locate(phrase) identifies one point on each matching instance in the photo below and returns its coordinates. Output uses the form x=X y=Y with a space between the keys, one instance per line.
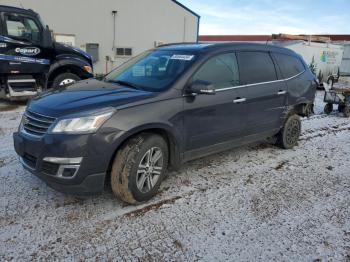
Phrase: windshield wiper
x=124 y=83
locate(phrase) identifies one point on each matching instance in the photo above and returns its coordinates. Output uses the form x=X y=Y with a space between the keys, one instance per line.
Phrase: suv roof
x=215 y=47
x=6 y=8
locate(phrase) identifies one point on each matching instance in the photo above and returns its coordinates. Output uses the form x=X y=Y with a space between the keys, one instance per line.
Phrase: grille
x=36 y=124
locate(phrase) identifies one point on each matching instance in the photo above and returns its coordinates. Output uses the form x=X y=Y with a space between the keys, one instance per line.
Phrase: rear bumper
x=94 y=150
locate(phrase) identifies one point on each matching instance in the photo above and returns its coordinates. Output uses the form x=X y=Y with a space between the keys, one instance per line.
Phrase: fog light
x=67 y=171
x=68 y=167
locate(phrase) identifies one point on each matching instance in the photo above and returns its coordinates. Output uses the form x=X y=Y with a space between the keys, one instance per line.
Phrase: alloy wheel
x=293 y=132
x=149 y=169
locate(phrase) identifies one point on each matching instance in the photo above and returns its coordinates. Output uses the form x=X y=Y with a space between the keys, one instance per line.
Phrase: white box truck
x=324 y=59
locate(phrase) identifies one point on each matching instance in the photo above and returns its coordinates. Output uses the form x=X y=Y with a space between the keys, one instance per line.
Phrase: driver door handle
x=239 y=100
x=281 y=92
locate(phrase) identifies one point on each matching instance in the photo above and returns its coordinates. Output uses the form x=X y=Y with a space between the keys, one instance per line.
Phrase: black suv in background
x=162 y=108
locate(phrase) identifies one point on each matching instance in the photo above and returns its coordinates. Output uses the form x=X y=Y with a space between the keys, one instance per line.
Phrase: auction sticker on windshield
x=182 y=57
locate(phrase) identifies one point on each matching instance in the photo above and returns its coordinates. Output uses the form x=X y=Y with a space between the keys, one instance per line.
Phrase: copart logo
x=29 y=51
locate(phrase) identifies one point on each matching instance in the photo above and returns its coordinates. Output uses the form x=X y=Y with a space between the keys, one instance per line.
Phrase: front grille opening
x=36 y=124
x=49 y=168
x=30 y=160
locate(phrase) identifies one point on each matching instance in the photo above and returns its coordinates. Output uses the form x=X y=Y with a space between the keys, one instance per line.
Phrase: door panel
x=265 y=106
x=266 y=96
x=214 y=119
x=20 y=50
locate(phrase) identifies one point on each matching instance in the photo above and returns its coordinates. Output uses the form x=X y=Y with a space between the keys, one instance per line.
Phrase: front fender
x=174 y=139
x=75 y=62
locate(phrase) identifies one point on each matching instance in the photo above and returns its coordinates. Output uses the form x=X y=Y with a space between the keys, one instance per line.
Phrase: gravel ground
x=257 y=202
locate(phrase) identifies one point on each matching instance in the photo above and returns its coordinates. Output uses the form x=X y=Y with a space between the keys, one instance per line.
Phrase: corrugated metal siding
x=345 y=64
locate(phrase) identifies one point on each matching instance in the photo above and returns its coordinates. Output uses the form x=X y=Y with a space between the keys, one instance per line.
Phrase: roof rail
x=179 y=43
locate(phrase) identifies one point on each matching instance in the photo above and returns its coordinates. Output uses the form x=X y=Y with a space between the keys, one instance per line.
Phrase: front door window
x=22 y=28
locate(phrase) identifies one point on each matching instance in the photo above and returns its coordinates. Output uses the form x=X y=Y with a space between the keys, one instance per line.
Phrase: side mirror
x=47 y=37
x=201 y=87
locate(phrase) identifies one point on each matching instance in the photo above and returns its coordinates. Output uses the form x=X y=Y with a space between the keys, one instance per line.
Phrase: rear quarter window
x=289 y=65
x=256 y=67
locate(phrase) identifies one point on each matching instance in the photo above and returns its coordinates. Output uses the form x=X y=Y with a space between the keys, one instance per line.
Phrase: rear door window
x=289 y=65
x=256 y=67
x=221 y=71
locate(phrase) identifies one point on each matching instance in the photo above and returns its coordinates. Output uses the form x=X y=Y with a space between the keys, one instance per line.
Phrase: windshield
x=152 y=70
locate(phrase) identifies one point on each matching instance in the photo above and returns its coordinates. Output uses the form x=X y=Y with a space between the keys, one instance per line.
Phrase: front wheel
x=288 y=136
x=65 y=79
x=139 y=168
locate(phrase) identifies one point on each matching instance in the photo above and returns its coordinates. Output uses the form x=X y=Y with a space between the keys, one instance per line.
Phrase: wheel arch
x=162 y=130
x=61 y=66
x=299 y=107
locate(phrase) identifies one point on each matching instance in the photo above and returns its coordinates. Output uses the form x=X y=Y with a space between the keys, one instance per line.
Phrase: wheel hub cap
x=293 y=132
x=67 y=82
x=149 y=169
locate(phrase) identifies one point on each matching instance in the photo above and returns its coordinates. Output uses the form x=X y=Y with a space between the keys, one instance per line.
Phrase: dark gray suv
x=162 y=108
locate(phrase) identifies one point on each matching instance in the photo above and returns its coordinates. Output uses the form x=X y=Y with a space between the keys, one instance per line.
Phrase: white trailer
x=324 y=59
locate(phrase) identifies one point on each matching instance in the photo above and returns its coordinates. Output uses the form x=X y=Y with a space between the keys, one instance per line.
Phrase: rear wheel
x=328 y=108
x=289 y=134
x=65 y=79
x=139 y=168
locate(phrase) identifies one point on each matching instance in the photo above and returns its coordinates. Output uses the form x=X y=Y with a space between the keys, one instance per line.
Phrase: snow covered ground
x=256 y=202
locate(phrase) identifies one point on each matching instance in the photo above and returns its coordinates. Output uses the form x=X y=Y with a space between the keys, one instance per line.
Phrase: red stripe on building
x=248 y=38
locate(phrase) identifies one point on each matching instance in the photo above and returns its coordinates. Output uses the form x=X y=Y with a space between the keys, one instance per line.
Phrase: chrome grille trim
x=36 y=124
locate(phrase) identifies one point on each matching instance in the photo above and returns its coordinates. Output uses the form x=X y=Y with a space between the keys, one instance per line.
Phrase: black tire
x=346 y=111
x=126 y=168
x=61 y=78
x=328 y=108
x=288 y=136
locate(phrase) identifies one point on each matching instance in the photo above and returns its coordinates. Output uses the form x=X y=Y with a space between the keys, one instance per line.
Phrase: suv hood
x=85 y=96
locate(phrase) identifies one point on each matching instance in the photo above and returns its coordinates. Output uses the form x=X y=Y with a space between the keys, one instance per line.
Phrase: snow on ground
x=256 y=202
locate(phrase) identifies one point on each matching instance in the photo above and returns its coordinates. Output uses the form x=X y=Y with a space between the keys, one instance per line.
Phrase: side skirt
x=209 y=150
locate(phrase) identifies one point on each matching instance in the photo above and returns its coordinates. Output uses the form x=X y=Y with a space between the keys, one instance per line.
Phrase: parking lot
x=254 y=202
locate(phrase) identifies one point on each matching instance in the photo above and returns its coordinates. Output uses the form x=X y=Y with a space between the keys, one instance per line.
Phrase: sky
x=220 y=17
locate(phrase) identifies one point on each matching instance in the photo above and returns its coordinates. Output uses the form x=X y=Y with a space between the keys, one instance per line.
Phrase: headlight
x=86 y=124
x=88 y=69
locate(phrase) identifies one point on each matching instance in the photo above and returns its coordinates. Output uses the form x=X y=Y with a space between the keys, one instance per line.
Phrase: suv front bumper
x=49 y=157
